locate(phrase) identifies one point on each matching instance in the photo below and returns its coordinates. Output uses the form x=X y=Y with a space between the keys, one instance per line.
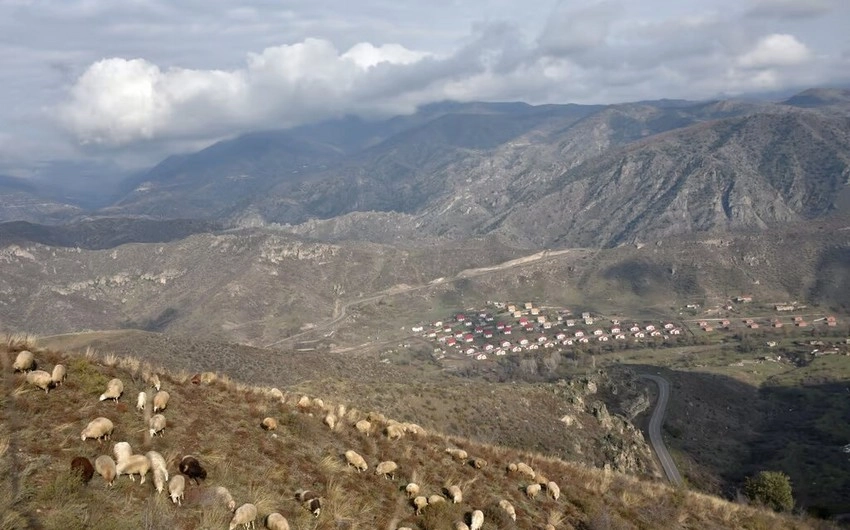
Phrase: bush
x=772 y=489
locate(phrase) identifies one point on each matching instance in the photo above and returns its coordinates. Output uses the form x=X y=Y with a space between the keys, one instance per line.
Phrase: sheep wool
x=420 y=503
x=532 y=490
x=114 y=389
x=141 y=401
x=157 y=425
x=122 y=450
x=456 y=494
x=24 y=362
x=244 y=516
x=134 y=465
x=105 y=467
x=387 y=469
x=158 y=469
x=553 y=490
x=58 y=375
x=98 y=428
x=176 y=487
x=160 y=400
x=276 y=521
x=40 y=379
x=412 y=490
x=506 y=505
x=356 y=460
x=477 y=520
x=363 y=427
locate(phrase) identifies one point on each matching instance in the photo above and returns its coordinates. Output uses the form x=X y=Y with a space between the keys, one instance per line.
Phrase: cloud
x=775 y=50
x=570 y=30
x=790 y=9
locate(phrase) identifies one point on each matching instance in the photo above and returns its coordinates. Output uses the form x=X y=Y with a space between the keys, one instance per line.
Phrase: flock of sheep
x=125 y=462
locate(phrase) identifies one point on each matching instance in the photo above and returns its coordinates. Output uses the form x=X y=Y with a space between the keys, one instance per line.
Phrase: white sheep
x=412 y=490
x=158 y=469
x=460 y=525
x=455 y=493
x=114 y=389
x=176 y=487
x=363 y=427
x=245 y=516
x=523 y=468
x=157 y=424
x=58 y=375
x=478 y=463
x=122 y=451
x=356 y=460
x=304 y=402
x=269 y=424
x=134 y=465
x=160 y=400
x=224 y=496
x=387 y=469
x=98 y=428
x=420 y=503
x=413 y=428
x=508 y=508
x=275 y=393
x=532 y=490
x=275 y=521
x=105 y=467
x=141 y=401
x=319 y=402
x=476 y=521
x=458 y=454
x=394 y=432
x=553 y=490
x=434 y=499
x=154 y=382
x=40 y=379
x=24 y=362
x=330 y=420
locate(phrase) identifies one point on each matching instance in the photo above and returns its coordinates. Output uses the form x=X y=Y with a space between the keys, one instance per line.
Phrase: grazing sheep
x=340 y=410
x=121 y=451
x=363 y=427
x=413 y=428
x=82 y=466
x=376 y=417
x=387 y=469
x=269 y=424
x=105 y=467
x=24 y=362
x=540 y=479
x=330 y=420
x=160 y=400
x=356 y=460
x=434 y=499
x=158 y=469
x=114 y=389
x=455 y=493
x=532 y=490
x=154 y=382
x=304 y=402
x=41 y=379
x=141 y=401
x=310 y=501
x=245 y=516
x=275 y=393
x=420 y=503
x=458 y=454
x=157 y=424
x=523 y=468
x=319 y=402
x=553 y=490
x=460 y=525
x=508 y=508
x=193 y=469
x=134 y=465
x=176 y=487
x=224 y=496
x=476 y=521
x=394 y=432
x=412 y=490
x=58 y=375
x=275 y=521
x=98 y=428
x=478 y=463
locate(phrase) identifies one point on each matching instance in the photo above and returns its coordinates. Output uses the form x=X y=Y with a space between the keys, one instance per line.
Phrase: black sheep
x=82 y=466
x=193 y=469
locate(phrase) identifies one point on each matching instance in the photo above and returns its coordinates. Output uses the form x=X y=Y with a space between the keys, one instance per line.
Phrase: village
x=502 y=329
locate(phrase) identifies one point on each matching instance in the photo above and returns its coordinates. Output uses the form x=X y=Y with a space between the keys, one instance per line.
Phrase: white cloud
x=790 y=8
x=775 y=50
x=367 y=55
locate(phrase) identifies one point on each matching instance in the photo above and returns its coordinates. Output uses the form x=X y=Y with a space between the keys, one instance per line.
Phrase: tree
x=771 y=488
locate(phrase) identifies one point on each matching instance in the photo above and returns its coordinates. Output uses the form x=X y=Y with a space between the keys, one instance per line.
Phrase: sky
x=111 y=85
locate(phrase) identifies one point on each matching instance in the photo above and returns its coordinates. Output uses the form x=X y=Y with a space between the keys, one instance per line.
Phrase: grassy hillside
x=219 y=422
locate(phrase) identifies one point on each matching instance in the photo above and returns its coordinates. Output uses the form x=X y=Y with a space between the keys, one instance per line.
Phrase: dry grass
x=219 y=423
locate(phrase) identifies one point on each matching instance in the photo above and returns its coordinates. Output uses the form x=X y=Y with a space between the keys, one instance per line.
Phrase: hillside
x=218 y=421
x=21 y=200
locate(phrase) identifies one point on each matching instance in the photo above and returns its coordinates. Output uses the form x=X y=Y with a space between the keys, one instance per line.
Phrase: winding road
x=655 y=423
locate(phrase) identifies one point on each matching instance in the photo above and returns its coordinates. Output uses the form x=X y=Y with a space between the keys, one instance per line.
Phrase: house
x=468 y=337
x=585 y=315
x=459 y=334
x=535 y=310
x=488 y=334
x=416 y=329
x=640 y=335
x=517 y=314
x=529 y=305
x=615 y=322
x=528 y=328
x=598 y=332
x=523 y=342
x=783 y=307
x=432 y=335
x=579 y=334
x=703 y=324
x=541 y=339
x=776 y=324
x=511 y=308
x=500 y=352
x=754 y=325
x=523 y=321
x=603 y=338
x=541 y=319
x=500 y=326
x=479 y=330
x=724 y=323
x=470 y=351
x=831 y=322
x=584 y=340
x=561 y=336
x=507 y=330
x=460 y=318
x=567 y=342
x=451 y=341
x=708 y=328
x=533 y=347
x=615 y=330
x=571 y=323
x=489 y=347
x=744 y=299
x=588 y=321
x=675 y=331
x=505 y=344
x=516 y=349
x=547 y=325
x=481 y=357
x=549 y=344
x=634 y=329
x=669 y=325
x=438 y=324
x=655 y=333
x=801 y=323
x=798 y=319
x=620 y=336
x=649 y=327
x=447 y=329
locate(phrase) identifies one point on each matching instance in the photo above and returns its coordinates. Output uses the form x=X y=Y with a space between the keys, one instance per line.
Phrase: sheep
x=460 y=525
x=455 y=493
x=310 y=501
x=269 y=424
x=154 y=382
x=319 y=403
x=356 y=460
x=340 y=410
x=394 y=432
x=532 y=490
x=434 y=499
x=24 y=362
x=506 y=505
x=82 y=466
x=224 y=496
x=540 y=479
x=523 y=468
x=275 y=393
x=412 y=490
x=330 y=420
x=458 y=454
x=141 y=401
x=387 y=469
x=304 y=402
x=105 y=467
x=476 y=521
x=41 y=379
x=98 y=428
x=363 y=427
x=121 y=451
x=413 y=428
x=114 y=389
x=478 y=463
x=159 y=470
x=245 y=516
x=157 y=424
x=134 y=465
x=275 y=521
x=553 y=490
x=160 y=400
x=176 y=487
x=58 y=375
x=420 y=503
x=376 y=417
x=193 y=469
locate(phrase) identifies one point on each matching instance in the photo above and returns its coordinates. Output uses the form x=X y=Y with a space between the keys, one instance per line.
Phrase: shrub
x=770 y=488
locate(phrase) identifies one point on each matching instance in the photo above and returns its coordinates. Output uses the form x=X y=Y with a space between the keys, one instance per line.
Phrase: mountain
x=21 y=200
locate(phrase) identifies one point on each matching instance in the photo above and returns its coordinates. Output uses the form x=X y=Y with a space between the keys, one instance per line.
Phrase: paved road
x=655 y=423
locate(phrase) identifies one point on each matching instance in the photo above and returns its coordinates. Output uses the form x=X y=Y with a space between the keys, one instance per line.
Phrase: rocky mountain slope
x=21 y=200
